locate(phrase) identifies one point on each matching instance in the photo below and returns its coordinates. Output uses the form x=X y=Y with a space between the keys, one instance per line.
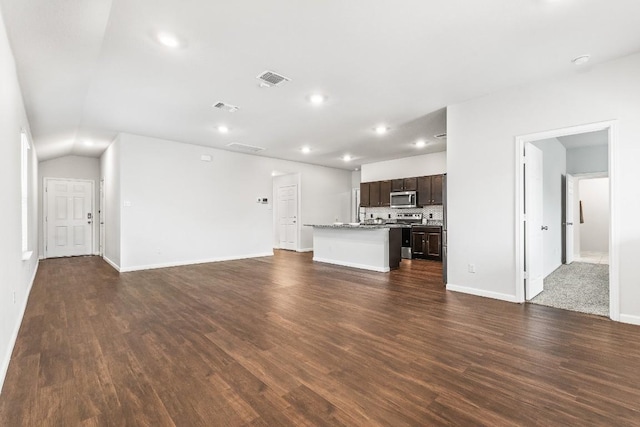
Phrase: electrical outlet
x=472 y=268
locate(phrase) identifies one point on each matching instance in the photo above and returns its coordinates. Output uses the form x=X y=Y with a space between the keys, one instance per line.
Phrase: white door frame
x=614 y=238
x=45 y=210
x=283 y=180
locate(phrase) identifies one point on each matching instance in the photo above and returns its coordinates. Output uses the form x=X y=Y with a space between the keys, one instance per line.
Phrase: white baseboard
x=628 y=318
x=112 y=264
x=353 y=265
x=482 y=293
x=305 y=250
x=14 y=336
x=200 y=261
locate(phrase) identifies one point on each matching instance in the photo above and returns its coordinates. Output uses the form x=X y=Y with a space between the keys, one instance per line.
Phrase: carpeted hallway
x=578 y=286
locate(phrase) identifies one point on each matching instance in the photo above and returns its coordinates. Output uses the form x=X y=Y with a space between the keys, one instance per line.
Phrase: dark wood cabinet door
x=364 y=195
x=436 y=190
x=374 y=193
x=385 y=191
x=397 y=185
x=433 y=244
x=418 y=241
x=410 y=184
x=424 y=190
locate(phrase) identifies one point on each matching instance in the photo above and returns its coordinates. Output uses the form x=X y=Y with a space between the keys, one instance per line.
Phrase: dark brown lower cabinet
x=426 y=242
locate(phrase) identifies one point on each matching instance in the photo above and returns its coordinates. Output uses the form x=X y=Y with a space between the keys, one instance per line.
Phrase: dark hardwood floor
x=281 y=341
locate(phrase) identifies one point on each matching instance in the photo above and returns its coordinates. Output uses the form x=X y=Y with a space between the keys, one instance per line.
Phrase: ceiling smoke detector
x=244 y=147
x=226 y=107
x=441 y=136
x=271 y=78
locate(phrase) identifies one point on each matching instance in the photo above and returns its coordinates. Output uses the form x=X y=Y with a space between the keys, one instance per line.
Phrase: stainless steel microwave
x=404 y=199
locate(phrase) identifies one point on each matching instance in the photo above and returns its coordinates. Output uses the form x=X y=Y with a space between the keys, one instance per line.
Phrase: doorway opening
x=566 y=215
x=68 y=217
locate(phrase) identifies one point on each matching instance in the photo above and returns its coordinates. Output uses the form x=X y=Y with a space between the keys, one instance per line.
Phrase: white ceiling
x=91 y=69
x=588 y=139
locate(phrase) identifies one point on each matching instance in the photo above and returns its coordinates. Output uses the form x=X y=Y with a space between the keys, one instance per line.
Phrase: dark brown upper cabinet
x=385 y=193
x=364 y=194
x=404 y=184
x=430 y=190
x=374 y=194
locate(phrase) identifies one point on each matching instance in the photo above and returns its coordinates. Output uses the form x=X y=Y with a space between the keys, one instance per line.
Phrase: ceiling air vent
x=226 y=107
x=441 y=136
x=269 y=78
x=244 y=147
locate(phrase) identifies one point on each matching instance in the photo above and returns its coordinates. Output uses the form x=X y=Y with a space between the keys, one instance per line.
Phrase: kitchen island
x=369 y=247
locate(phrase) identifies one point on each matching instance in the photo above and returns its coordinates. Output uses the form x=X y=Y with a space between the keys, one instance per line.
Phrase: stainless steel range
x=408 y=219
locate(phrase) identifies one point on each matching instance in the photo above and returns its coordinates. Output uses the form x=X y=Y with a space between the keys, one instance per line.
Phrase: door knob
x=544 y=227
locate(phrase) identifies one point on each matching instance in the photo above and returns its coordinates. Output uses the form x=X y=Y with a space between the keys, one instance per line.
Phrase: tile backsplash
x=384 y=213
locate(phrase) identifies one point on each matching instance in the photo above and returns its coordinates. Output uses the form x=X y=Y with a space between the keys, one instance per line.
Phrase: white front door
x=68 y=218
x=568 y=227
x=288 y=217
x=534 y=230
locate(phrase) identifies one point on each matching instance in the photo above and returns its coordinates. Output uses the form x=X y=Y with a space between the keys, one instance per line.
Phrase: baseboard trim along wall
x=481 y=293
x=111 y=263
x=353 y=265
x=201 y=261
x=14 y=336
x=305 y=250
x=627 y=318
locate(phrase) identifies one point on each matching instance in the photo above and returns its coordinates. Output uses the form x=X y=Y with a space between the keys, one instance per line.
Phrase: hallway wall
x=594 y=232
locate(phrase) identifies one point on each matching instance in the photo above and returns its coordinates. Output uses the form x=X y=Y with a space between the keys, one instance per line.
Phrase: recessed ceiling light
x=381 y=130
x=223 y=129
x=317 y=99
x=581 y=60
x=356 y=169
x=306 y=150
x=421 y=143
x=168 y=40
x=346 y=158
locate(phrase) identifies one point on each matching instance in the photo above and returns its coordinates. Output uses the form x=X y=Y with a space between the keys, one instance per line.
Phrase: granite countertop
x=358 y=226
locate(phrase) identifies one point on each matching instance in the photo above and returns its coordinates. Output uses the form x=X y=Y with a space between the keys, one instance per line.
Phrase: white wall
x=70 y=167
x=594 y=232
x=426 y=164
x=554 y=167
x=110 y=173
x=481 y=169
x=184 y=210
x=16 y=275
x=588 y=159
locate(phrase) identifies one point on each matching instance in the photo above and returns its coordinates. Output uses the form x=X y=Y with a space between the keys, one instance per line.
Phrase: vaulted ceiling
x=92 y=69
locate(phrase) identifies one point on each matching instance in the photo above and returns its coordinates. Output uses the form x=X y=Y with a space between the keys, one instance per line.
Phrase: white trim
x=614 y=197
x=305 y=250
x=200 y=261
x=14 y=336
x=26 y=256
x=111 y=263
x=628 y=318
x=353 y=265
x=45 y=207
x=482 y=293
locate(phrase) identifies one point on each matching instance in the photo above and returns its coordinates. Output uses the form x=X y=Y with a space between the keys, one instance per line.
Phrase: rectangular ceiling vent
x=244 y=147
x=441 y=136
x=225 y=107
x=270 y=78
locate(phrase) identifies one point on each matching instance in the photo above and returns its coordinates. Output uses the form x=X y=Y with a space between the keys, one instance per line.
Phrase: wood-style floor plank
x=283 y=341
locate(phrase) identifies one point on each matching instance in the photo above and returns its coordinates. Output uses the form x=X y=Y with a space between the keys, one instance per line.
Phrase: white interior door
x=288 y=217
x=569 y=229
x=101 y=217
x=534 y=229
x=68 y=218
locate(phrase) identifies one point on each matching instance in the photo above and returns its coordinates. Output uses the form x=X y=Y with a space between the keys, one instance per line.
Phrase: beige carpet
x=579 y=287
